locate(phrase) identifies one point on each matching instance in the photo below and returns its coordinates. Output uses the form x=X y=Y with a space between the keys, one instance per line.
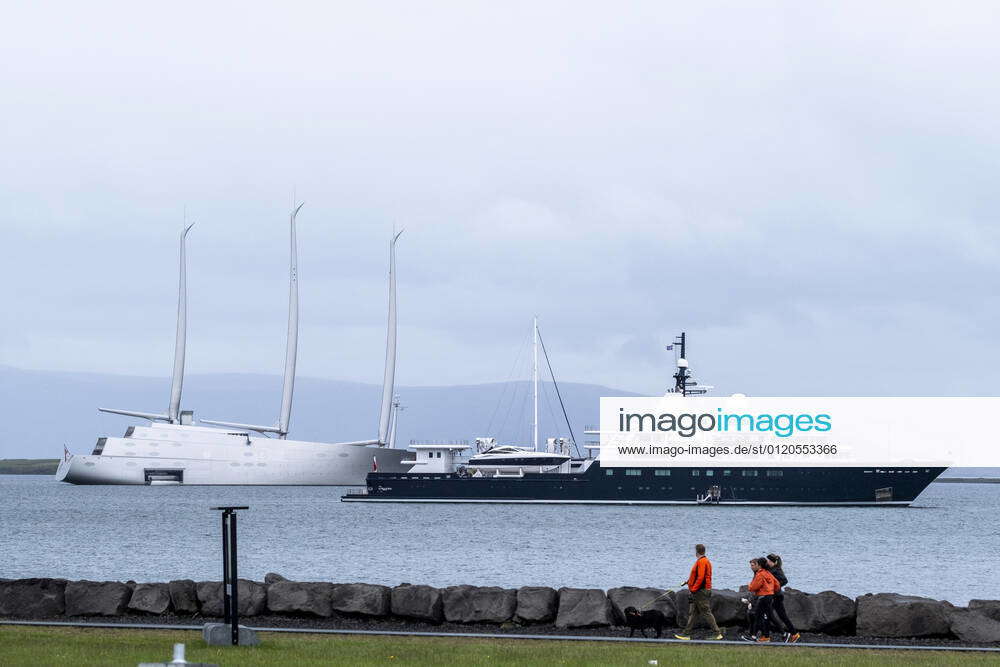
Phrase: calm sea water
x=945 y=546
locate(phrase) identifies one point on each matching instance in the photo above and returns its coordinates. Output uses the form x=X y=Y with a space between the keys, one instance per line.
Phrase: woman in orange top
x=764 y=586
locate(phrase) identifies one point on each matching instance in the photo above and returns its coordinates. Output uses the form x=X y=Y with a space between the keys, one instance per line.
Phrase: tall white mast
x=291 y=345
x=389 y=379
x=292 y=340
x=180 y=339
x=534 y=383
x=173 y=415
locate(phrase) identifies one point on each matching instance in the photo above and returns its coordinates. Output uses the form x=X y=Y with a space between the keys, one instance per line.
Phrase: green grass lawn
x=100 y=646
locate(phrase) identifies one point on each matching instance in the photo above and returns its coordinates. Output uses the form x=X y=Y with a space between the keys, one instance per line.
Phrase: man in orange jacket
x=699 y=602
x=764 y=586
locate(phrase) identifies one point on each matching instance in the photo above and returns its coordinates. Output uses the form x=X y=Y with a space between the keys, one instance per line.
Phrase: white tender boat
x=507 y=458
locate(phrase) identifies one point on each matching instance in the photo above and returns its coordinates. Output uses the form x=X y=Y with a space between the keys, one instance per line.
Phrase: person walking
x=763 y=585
x=699 y=585
x=776 y=568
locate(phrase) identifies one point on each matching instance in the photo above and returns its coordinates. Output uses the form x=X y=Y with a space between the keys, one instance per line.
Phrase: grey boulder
x=251 y=598
x=988 y=608
x=725 y=604
x=643 y=599
x=97 y=598
x=827 y=612
x=583 y=608
x=478 y=604
x=970 y=625
x=360 y=599
x=273 y=578
x=150 y=599
x=300 y=597
x=536 y=604
x=33 y=598
x=892 y=615
x=183 y=596
x=417 y=601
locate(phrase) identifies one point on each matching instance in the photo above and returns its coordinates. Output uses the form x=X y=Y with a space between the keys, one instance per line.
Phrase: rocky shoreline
x=883 y=618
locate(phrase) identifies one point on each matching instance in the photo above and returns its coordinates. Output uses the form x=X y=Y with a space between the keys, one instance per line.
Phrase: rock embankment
x=536 y=608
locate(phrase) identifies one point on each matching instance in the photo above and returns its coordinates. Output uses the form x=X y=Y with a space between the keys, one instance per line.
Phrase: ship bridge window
x=633 y=472
x=662 y=473
x=609 y=472
x=727 y=473
x=709 y=473
x=775 y=473
x=695 y=473
x=749 y=473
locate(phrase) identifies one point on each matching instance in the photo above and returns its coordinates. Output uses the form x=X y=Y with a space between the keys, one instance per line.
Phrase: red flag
x=374 y=464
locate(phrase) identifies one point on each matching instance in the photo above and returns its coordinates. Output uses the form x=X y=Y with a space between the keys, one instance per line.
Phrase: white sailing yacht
x=172 y=450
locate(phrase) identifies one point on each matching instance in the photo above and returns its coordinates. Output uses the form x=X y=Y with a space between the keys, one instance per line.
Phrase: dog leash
x=657 y=599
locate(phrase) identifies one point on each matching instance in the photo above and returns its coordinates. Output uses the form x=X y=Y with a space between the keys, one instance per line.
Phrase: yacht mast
x=534 y=383
x=173 y=415
x=388 y=380
x=291 y=345
x=180 y=339
x=292 y=340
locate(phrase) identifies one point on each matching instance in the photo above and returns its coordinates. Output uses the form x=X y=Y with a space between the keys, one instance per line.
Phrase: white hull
x=205 y=456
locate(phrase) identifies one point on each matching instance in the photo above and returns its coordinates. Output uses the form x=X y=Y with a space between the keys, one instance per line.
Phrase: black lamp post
x=230 y=588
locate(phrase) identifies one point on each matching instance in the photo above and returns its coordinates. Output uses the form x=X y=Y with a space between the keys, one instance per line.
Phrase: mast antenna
x=534 y=383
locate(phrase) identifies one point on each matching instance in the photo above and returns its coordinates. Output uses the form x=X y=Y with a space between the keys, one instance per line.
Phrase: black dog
x=644 y=619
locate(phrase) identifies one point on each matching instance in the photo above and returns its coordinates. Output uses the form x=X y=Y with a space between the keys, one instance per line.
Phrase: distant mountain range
x=40 y=411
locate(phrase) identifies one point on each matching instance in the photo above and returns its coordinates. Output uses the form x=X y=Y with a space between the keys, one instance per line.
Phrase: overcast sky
x=808 y=189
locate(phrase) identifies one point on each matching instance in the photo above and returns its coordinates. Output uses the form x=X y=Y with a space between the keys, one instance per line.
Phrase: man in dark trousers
x=699 y=602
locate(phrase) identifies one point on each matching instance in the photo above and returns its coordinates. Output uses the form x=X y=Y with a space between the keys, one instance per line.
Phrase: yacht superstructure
x=172 y=450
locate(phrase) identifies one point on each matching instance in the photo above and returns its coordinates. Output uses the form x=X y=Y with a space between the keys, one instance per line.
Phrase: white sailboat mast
x=292 y=340
x=291 y=345
x=389 y=379
x=173 y=414
x=180 y=339
x=534 y=383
